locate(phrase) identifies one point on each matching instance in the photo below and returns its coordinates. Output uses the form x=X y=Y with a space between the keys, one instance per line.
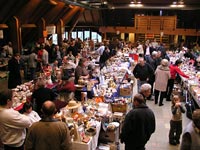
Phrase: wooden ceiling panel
x=53 y=14
x=25 y=13
x=10 y=9
x=88 y=16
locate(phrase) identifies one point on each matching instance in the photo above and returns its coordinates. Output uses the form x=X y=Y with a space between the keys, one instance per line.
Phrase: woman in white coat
x=162 y=75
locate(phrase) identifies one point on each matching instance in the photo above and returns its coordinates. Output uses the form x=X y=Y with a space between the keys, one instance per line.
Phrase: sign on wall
x=51 y=29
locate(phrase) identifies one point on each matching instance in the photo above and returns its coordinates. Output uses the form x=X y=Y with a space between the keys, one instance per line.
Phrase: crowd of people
x=68 y=64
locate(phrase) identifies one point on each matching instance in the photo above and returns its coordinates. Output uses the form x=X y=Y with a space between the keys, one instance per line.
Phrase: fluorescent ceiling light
x=135 y=5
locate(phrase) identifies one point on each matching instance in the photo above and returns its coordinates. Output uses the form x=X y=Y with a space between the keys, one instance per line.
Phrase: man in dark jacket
x=14 y=77
x=138 y=126
x=143 y=72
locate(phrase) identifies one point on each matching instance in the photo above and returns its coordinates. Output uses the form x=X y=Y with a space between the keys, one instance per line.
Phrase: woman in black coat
x=14 y=77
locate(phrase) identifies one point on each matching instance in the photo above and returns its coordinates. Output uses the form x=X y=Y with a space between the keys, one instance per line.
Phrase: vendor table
x=92 y=144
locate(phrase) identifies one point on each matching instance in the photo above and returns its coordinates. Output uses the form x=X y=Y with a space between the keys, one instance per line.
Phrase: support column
x=15 y=34
x=41 y=28
x=60 y=30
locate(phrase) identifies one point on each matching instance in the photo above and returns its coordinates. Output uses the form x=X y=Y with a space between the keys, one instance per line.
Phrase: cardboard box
x=118 y=117
x=125 y=90
x=109 y=136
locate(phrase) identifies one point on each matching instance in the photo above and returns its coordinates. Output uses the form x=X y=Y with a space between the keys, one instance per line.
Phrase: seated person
x=67 y=68
x=41 y=94
x=81 y=70
x=28 y=111
x=104 y=57
x=66 y=90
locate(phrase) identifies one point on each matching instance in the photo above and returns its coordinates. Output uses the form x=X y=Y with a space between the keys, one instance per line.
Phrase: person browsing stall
x=81 y=70
x=28 y=111
x=145 y=90
x=14 y=76
x=48 y=133
x=142 y=72
x=162 y=75
x=12 y=124
x=138 y=125
x=174 y=71
x=176 y=121
x=41 y=94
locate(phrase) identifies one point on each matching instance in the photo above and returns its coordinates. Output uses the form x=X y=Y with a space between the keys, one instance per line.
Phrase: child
x=28 y=111
x=176 y=121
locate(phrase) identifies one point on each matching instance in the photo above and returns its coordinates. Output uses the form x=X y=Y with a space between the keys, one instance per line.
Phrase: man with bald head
x=48 y=133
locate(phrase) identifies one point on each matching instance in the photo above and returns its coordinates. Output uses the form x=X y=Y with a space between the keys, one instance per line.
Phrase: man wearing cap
x=138 y=125
x=191 y=134
x=48 y=133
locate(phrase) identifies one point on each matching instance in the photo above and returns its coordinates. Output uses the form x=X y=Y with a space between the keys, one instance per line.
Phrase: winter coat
x=138 y=126
x=162 y=75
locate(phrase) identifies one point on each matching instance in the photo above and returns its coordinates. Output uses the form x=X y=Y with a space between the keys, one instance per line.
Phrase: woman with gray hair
x=162 y=75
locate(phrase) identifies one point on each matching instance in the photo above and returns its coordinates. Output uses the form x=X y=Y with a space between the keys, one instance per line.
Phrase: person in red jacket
x=174 y=71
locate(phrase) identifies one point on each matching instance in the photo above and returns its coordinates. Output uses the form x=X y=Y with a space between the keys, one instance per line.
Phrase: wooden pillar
x=41 y=28
x=15 y=34
x=104 y=35
x=60 y=30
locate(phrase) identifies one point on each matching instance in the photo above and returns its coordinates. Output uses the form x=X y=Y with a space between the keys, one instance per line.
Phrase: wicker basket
x=119 y=107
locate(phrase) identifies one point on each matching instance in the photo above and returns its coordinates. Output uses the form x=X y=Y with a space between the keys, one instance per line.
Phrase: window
x=74 y=35
x=66 y=35
x=55 y=39
x=87 y=34
x=99 y=38
x=80 y=35
x=94 y=36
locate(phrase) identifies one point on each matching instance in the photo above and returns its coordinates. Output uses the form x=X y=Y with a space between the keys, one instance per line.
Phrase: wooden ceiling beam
x=70 y=14
x=91 y=13
x=54 y=14
x=3 y=26
x=11 y=9
x=84 y=18
x=28 y=25
x=26 y=12
x=41 y=10
x=75 y=20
